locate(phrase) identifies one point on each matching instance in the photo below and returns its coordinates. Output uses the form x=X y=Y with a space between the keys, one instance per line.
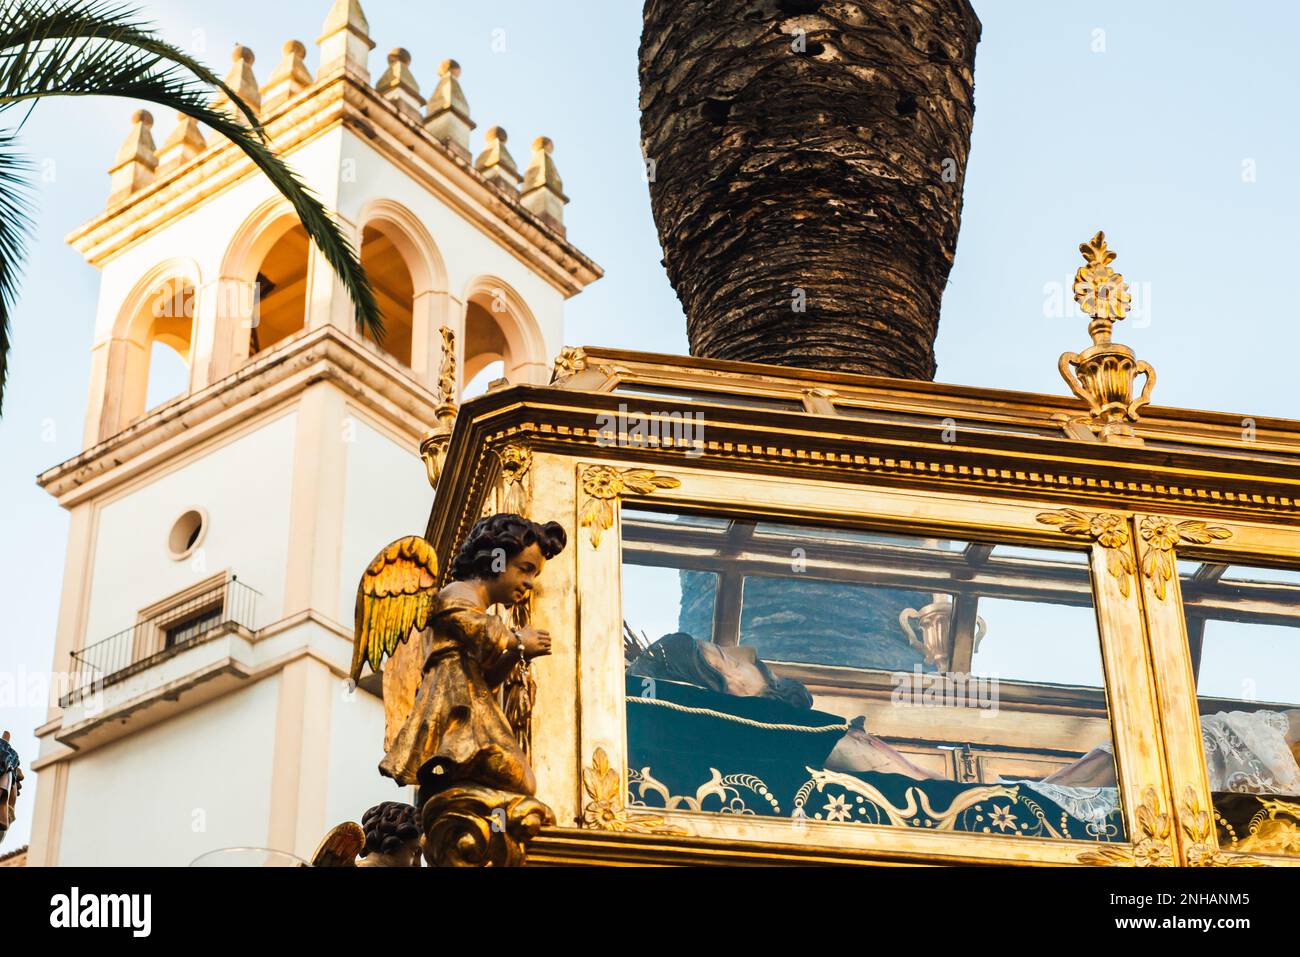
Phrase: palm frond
x=15 y=227
x=26 y=26
x=69 y=66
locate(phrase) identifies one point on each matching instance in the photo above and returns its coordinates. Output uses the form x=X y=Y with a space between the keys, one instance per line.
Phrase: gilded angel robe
x=456 y=732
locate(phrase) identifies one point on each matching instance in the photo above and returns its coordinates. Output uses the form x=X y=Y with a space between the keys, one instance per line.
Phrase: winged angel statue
x=445 y=731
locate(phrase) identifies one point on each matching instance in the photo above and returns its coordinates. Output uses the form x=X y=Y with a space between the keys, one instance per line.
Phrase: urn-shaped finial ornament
x=1104 y=374
x=937 y=641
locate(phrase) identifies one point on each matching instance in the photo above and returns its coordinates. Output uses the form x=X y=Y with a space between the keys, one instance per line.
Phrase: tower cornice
x=341 y=100
x=372 y=382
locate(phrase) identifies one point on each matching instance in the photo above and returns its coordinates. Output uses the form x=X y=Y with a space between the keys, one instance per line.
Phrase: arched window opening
x=169 y=375
x=163 y=334
x=479 y=382
x=485 y=344
x=281 y=308
x=391 y=280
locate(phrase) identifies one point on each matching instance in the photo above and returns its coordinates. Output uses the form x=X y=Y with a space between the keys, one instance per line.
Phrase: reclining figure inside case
x=1253 y=752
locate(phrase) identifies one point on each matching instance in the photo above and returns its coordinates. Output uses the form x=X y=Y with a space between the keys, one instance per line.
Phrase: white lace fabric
x=1090 y=805
x=1247 y=751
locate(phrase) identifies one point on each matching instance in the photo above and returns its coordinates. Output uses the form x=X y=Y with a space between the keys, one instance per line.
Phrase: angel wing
x=394 y=598
x=340 y=847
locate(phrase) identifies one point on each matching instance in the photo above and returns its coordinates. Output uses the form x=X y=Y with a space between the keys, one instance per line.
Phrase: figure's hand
x=536 y=642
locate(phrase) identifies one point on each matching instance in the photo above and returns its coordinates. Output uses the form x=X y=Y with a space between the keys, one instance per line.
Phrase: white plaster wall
x=244 y=485
x=467 y=251
x=198 y=782
x=356 y=745
x=386 y=496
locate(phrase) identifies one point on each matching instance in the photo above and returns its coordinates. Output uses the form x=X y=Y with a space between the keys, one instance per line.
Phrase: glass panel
x=1040 y=554
x=1243 y=631
x=717 y=398
x=1244 y=573
x=826 y=675
x=803 y=532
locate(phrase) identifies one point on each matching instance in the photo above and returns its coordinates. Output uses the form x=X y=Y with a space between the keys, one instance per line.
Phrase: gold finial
x=434 y=447
x=1099 y=290
x=447 y=371
x=1103 y=374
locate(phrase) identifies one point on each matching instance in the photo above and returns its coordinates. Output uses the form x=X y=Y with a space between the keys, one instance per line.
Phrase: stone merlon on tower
x=345 y=45
x=242 y=81
x=448 y=118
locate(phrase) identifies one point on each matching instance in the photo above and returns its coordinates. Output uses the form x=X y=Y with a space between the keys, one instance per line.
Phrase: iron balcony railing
x=181 y=626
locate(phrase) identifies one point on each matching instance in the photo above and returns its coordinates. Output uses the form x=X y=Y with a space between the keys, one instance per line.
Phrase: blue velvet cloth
x=695 y=749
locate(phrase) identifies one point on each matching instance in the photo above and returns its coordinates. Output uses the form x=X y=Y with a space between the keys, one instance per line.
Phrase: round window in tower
x=187 y=533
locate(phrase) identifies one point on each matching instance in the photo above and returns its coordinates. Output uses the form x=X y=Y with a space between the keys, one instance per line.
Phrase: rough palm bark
x=809 y=153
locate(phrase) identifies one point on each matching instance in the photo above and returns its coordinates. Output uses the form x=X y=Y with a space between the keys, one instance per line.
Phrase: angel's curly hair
x=503 y=533
x=388 y=826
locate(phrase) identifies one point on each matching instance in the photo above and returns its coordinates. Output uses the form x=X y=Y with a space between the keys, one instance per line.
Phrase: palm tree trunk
x=806 y=162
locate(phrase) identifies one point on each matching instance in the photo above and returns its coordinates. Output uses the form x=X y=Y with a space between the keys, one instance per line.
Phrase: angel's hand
x=536 y=642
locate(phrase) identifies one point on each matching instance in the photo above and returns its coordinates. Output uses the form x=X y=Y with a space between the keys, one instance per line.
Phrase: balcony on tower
x=200 y=636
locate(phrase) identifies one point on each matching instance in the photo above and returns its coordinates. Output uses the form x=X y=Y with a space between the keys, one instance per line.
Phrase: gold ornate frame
x=869 y=452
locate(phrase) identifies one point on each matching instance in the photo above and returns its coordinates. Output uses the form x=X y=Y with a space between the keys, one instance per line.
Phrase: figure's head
x=391 y=829
x=507 y=552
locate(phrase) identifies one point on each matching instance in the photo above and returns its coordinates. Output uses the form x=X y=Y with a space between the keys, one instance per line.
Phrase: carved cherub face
x=514 y=583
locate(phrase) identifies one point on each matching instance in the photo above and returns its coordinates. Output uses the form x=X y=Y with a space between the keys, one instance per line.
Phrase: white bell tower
x=217 y=536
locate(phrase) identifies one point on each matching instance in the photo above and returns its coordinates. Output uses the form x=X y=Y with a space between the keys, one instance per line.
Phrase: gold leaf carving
x=1162 y=535
x=1108 y=530
x=1099 y=290
x=1198 y=826
x=1152 y=850
x=603 y=484
x=569 y=362
x=516 y=464
x=605 y=811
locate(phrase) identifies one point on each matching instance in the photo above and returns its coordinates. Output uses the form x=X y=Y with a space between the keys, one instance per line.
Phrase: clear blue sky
x=1146 y=139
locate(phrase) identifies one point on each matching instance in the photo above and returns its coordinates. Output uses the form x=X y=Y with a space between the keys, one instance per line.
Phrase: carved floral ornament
x=602 y=484
x=1107 y=529
x=569 y=362
x=1198 y=825
x=1161 y=536
x=1099 y=290
x=605 y=811
x=1153 y=850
